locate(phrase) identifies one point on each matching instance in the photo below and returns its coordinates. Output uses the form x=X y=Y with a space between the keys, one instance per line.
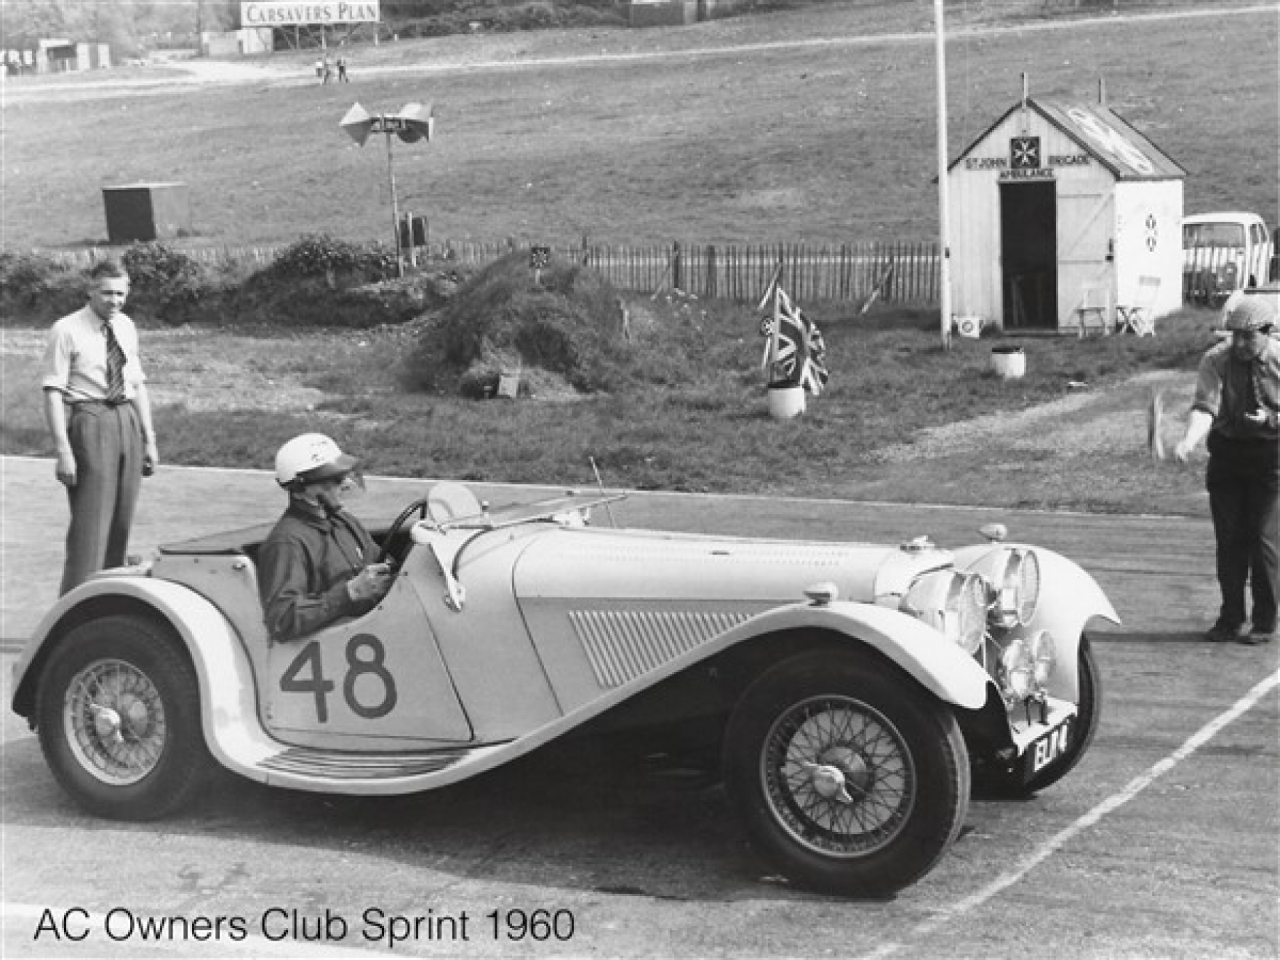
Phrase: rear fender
x=1069 y=599
x=228 y=696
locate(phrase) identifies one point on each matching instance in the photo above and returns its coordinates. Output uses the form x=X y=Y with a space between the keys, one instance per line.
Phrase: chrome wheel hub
x=114 y=721
x=839 y=771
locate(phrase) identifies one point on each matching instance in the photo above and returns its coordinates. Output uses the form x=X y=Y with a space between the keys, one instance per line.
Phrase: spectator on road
x=99 y=416
x=342 y=70
x=320 y=65
x=315 y=566
x=1236 y=404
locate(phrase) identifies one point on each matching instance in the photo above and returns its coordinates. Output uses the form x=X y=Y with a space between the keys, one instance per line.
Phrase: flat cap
x=1254 y=309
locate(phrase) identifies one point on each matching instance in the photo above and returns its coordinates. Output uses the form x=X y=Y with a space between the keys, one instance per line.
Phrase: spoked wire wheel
x=846 y=774
x=838 y=776
x=118 y=716
x=114 y=721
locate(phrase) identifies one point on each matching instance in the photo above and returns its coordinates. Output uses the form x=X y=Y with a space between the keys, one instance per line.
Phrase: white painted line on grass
x=251 y=945
x=1112 y=803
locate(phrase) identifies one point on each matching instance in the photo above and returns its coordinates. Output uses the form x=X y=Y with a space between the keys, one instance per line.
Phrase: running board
x=344 y=765
x=356 y=773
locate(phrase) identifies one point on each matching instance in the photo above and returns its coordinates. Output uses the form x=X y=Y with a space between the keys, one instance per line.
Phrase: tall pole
x=395 y=206
x=944 y=201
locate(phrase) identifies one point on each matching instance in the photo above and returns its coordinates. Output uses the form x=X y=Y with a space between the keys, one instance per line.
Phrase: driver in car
x=316 y=565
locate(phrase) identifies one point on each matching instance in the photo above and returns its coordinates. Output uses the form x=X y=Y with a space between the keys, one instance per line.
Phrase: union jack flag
x=802 y=353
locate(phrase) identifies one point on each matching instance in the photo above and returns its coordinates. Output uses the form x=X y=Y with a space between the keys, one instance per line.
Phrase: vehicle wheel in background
x=1004 y=783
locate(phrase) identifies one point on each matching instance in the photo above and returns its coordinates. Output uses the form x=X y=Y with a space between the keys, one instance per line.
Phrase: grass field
x=815 y=124
x=801 y=126
x=902 y=420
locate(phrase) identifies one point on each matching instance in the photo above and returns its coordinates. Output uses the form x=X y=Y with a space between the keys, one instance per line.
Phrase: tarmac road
x=1165 y=841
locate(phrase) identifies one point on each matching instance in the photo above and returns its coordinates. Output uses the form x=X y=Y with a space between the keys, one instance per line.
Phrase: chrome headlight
x=1026 y=665
x=1044 y=656
x=1018 y=669
x=951 y=602
x=1014 y=576
x=1020 y=588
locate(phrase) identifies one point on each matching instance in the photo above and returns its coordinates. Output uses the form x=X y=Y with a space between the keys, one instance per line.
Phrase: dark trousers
x=107 y=443
x=1243 y=479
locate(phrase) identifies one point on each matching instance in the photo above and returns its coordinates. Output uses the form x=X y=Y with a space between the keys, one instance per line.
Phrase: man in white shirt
x=99 y=415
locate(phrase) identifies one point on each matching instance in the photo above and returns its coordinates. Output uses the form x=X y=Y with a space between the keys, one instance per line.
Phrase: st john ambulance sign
x=287 y=13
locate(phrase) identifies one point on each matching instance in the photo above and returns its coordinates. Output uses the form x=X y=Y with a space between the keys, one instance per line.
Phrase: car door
x=376 y=682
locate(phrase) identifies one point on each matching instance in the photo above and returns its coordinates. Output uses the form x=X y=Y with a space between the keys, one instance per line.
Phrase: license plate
x=1047 y=749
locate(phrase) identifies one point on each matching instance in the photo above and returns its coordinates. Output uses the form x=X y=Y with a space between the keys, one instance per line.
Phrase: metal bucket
x=786 y=402
x=1009 y=363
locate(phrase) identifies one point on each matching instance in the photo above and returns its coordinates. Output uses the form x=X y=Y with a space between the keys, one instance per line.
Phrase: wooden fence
x=901 y=272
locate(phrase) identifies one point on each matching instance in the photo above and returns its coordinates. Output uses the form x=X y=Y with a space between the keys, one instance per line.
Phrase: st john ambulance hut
x=1065 y=219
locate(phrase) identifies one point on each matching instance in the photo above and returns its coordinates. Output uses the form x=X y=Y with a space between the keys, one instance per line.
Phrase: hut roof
x=1102 y=133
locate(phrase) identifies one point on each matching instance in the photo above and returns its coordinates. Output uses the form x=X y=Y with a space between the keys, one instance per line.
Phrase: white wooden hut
x=1060 y=213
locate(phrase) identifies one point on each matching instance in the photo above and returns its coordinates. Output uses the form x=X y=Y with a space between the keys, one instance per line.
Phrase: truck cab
x=1223 y=252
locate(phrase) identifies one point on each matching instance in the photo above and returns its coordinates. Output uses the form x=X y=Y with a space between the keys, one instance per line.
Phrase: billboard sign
x=289 y=13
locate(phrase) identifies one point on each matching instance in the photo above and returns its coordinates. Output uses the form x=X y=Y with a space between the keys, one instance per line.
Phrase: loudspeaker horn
x=417 y=122
x=357 y=123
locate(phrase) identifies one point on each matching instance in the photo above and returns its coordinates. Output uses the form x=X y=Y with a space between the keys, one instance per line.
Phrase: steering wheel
x=394 y=531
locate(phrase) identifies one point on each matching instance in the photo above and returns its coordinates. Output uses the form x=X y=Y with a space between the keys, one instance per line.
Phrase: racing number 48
x=366 y=657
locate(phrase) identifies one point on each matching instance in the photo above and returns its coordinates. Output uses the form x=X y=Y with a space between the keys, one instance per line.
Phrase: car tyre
x=846 y=775
x=1088 y=715
x=118 y=716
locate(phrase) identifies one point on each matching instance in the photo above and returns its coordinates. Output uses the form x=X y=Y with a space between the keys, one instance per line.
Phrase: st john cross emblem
x=1024 y=153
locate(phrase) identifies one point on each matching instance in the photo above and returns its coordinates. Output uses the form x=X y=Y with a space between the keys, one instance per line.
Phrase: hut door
x=1085 y=259
x=1029 y=254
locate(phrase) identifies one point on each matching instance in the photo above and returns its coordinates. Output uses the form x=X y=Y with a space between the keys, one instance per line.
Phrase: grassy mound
x=565 y=324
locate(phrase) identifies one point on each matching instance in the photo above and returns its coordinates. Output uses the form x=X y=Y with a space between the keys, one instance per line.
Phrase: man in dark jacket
x=316 y=566
x=1237 y=404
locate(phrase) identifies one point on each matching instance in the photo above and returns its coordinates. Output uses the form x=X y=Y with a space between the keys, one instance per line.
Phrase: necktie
x=115 y=364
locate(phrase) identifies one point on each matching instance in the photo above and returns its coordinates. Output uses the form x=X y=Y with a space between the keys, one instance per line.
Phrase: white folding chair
x=1139 y=317
x=1093 y=304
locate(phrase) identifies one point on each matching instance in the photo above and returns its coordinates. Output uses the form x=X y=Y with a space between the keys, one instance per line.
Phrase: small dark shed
x=146 y=211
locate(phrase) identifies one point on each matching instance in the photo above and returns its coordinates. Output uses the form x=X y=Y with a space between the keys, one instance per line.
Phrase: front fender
x=1069 y=599
x=938 y=665
x=228 y=696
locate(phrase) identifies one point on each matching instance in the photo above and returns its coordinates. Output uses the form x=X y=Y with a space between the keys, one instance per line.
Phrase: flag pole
x=776 y=334
x=944 y=202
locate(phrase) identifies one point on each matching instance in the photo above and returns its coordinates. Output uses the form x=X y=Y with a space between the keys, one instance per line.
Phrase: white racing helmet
x=309 y=458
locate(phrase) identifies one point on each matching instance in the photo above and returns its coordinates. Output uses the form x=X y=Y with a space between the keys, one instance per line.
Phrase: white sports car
x=852 y=690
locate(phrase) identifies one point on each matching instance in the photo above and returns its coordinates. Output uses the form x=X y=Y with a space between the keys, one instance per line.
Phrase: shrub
x=272 y=297
x=155 y=267
x=569 y=323
x=164 y=282
x=32 y=282
x=316 y=256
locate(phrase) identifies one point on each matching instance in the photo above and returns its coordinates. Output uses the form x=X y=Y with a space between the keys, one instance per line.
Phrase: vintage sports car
x=852 y=691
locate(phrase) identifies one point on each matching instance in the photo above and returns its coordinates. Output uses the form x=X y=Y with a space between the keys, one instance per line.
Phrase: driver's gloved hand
x=371 y=583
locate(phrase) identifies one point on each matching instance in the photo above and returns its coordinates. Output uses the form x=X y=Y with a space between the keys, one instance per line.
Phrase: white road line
x=1112 y=803
x=252 y=945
